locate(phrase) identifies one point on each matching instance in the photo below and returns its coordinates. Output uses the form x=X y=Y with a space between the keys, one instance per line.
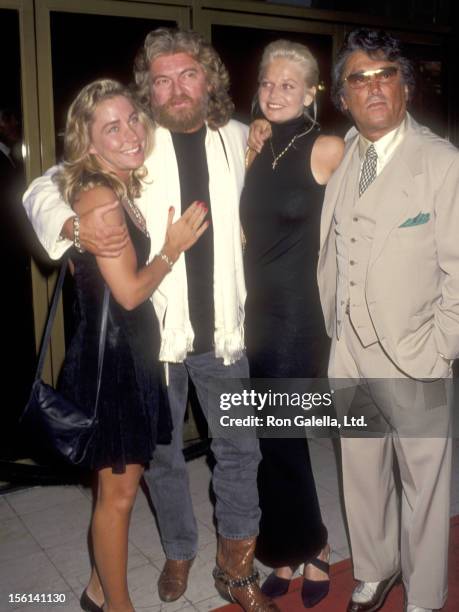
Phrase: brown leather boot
x=173 y=579
x=235 y=578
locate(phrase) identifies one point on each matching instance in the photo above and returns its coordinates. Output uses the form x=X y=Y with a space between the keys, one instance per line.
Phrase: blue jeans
x=234 y=477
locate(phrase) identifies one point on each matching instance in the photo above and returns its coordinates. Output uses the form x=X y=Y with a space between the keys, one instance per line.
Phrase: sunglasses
x=357 y=80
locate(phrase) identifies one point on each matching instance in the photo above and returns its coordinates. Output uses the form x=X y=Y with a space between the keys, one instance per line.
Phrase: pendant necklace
x=136 y=215
x=276 y=158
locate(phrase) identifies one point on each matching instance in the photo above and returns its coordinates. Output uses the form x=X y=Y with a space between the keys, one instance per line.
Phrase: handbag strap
x=102 y=337
x=49 y=326
x=50 y=321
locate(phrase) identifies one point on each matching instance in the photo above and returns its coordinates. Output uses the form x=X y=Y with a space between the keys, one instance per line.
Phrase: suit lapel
x=395 y=188
x=332 y=192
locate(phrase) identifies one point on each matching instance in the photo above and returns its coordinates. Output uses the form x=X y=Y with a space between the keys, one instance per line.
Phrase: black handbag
x=57 y=421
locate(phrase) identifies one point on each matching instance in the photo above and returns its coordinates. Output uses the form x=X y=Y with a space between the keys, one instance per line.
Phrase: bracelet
x=76 y=234
x=166 y=259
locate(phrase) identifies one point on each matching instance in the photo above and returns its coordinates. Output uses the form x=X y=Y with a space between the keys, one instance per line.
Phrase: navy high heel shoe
x=314 y=591
x=275 y=586
x=88 y=605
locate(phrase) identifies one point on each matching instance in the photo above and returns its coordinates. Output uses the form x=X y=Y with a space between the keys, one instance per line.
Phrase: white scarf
x=171 y=298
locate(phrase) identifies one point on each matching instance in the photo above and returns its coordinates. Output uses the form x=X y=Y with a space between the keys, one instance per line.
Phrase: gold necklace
x=276 y=158
x=138 y=218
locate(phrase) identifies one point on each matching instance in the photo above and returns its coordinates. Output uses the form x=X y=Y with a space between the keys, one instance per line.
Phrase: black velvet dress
x=285 y=332
x=133 y=407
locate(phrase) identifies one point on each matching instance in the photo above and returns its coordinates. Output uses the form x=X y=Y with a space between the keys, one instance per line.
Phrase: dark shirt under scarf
x=193 y=172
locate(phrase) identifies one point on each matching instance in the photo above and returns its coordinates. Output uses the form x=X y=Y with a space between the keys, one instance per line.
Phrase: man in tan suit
x=389 y=282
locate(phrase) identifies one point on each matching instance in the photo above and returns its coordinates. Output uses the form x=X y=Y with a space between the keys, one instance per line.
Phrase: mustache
x=177 y=100
x=375 y=98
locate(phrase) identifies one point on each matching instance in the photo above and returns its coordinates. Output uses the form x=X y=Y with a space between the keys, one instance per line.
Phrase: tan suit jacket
x=412 y=276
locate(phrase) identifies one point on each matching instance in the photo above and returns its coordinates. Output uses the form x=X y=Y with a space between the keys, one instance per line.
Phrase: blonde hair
x=295 y=52
x=168 y=41
x=81 y=169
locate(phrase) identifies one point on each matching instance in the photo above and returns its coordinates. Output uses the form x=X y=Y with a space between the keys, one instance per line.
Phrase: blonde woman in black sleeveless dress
x=285 y=334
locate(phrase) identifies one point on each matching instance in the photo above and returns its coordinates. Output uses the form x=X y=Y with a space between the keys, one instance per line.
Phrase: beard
x=184 y=119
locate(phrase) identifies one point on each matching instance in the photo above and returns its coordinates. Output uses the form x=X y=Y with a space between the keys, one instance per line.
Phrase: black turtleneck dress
x=285 y=332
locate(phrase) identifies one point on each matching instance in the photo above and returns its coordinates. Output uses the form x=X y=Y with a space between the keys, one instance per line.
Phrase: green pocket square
x=419 y=219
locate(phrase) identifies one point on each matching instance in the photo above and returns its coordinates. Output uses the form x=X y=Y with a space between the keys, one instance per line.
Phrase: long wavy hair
x=82 y=170
x=168 y=41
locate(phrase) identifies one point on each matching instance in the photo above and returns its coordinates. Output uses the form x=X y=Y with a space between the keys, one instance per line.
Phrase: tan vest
x=355 y=220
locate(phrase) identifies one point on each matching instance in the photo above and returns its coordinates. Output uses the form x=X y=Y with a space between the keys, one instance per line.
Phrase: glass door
x=18 y=139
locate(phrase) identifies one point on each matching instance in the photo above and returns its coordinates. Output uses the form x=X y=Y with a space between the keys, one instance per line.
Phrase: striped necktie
x=368 y=174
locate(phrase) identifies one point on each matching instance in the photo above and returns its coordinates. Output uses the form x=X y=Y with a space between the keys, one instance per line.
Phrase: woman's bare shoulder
x=88 y=199
x=330 y=148
x=95 y=197
x=326 y=156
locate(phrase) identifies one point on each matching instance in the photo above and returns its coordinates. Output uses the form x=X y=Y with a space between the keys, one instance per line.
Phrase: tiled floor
x=43 y=540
